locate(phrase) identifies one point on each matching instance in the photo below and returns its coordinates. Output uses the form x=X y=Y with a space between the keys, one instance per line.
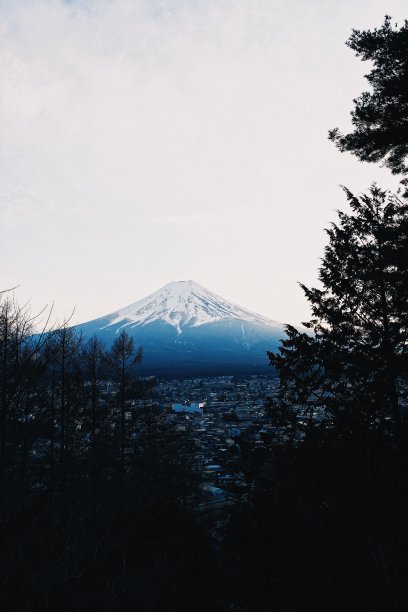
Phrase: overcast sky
x=145 y=141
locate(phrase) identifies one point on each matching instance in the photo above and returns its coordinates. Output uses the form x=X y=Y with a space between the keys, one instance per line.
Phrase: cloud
x=120 y=119
x=203 y=216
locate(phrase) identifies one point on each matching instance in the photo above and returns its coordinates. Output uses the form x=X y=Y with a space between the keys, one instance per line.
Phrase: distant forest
x=97 y=504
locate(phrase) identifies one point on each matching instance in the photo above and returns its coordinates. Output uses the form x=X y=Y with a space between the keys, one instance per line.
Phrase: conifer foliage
x=354 y=358
x=380 y=117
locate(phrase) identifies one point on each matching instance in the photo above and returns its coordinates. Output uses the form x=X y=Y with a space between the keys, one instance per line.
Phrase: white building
x=192 y=408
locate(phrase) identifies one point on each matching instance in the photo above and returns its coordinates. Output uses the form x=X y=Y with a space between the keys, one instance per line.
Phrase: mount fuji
x=186 y=329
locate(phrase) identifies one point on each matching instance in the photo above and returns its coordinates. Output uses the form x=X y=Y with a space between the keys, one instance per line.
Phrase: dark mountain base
x=217 y=349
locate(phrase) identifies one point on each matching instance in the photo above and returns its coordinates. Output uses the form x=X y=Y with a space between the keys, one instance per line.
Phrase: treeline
x=95 y=493
x=61 y=398
x=328 y=523
x=325 y=526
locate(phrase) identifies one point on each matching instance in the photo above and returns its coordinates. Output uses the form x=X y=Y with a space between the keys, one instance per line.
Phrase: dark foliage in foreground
x=99 y=504
x=95 y=494
x=339 y=500
x=86 y=526
x=353 y=364
x=327 y=529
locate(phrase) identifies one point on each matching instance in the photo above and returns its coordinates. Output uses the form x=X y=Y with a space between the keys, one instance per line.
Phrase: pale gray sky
x=145 y=141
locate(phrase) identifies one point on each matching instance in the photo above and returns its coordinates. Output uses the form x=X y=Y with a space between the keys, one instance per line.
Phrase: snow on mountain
x=185 y=329
x=183 y=304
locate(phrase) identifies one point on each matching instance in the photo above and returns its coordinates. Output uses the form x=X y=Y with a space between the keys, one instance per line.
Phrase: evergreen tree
x=123 y=359
x=67 y=346
x=94 y=364
x=21 y=366
x=380 y=117
x=354 y=359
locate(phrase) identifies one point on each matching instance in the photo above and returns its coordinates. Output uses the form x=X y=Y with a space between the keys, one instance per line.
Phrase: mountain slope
x=186 y=329
x=180 y=304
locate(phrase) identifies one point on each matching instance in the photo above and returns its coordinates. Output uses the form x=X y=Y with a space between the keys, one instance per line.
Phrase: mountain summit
x=186 y=329
x=181 y=304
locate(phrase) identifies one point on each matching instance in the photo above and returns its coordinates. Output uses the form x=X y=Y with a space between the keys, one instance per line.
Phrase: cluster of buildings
x=219 y=415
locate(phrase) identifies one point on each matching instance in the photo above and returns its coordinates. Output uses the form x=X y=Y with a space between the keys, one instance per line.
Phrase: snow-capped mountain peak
x=183 y=303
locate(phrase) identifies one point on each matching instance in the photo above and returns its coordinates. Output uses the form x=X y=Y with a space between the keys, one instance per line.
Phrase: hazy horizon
x=152 y=141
